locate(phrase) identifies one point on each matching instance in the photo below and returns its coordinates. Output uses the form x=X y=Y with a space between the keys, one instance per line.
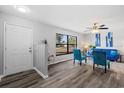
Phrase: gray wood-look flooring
x=66 y=75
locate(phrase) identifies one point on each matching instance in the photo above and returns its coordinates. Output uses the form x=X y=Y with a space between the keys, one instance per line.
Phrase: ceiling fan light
x=95 y=31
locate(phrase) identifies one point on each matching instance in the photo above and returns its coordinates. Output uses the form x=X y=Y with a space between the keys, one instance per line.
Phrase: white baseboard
x=1 y=76
x=59 y=61
x=41 y=74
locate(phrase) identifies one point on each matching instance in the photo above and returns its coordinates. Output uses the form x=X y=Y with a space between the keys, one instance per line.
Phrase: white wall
x=48 y=32
x=41 y=32
x=118 y=35
x=90 y=38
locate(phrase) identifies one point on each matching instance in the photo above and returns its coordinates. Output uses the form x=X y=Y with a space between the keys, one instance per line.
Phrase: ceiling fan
x=96 y=28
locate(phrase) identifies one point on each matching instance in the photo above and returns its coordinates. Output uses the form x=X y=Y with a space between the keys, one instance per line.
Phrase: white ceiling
x=73 y=17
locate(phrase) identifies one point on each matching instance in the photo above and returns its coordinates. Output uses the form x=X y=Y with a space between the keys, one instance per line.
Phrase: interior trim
x=60 y=61
x=1 y=76
x=41 y=74
x=4 y=65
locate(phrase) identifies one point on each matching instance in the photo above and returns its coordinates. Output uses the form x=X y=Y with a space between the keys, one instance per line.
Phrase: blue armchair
x=112 y=54
x=100 y=58
x=78 y=56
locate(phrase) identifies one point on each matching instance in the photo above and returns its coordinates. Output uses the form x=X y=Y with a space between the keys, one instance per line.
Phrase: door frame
x=4 y=63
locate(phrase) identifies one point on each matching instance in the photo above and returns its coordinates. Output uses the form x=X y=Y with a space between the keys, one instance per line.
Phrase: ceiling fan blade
x=101 y=25
x=103 y=28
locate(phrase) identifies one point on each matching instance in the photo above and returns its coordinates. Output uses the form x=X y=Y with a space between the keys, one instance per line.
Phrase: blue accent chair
x=100 y=58
x=78 y=56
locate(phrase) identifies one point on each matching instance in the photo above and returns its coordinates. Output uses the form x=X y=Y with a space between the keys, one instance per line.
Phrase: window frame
x=66 y=44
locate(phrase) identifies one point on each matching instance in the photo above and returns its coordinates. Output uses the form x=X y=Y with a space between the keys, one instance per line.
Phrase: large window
x=65 y=44
x=109 y=39
x=98 y=41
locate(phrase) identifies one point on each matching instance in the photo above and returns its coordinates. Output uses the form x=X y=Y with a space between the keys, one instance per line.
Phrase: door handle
x=30 y=50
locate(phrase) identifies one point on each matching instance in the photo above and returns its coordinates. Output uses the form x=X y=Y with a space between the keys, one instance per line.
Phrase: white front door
x=18 y=49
